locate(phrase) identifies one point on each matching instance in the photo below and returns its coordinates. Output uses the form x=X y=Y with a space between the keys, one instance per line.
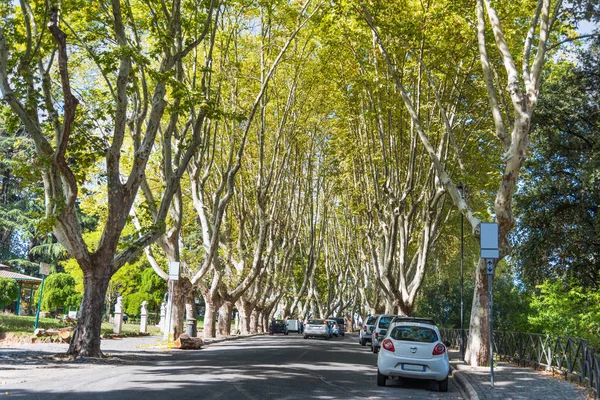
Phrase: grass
x=24 y=324
x=129 y=329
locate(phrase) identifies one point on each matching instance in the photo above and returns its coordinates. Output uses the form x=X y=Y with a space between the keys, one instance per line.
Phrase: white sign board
x=174 y=271
x=44 y=269
x=488 y=241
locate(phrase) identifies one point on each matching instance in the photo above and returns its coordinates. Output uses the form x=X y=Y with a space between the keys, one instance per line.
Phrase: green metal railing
x=569 y=356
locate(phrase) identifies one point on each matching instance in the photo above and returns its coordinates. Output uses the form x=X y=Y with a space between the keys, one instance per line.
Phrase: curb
x=464 y=384
x=209 y=341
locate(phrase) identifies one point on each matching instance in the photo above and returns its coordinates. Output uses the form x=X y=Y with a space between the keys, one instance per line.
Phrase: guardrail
x=572 y=357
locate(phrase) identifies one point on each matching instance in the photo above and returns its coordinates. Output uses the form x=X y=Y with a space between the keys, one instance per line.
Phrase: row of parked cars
x=407 y=348
x=326 y=328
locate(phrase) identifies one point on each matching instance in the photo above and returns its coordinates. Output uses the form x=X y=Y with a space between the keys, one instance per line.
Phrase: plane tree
x=108 y=115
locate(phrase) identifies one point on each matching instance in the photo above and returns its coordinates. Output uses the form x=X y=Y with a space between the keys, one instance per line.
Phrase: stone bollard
x=191 y=328
x=163 y=316
x=118 y=315
x=143 y=317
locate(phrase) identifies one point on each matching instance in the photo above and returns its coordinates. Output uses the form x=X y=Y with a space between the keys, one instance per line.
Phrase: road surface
x=259 y=368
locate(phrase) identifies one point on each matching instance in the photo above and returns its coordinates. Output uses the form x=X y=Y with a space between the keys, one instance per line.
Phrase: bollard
x=143 y=317
x=118 y=315
x=191 y=328
x=163 y=316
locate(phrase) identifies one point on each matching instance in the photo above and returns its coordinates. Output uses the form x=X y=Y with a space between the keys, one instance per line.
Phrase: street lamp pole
x=462 y=257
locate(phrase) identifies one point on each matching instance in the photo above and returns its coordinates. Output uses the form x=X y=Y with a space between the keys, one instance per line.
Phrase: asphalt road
x=266 y=367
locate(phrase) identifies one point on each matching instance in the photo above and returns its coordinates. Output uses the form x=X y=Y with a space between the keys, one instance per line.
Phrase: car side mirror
x=446 y=343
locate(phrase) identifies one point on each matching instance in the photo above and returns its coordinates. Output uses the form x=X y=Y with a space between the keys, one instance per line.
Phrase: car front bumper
x=436 y=368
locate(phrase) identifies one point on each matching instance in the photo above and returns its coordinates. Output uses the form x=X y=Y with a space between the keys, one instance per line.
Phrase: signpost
x=173 y=276
x=488 y=243
x=44 y=270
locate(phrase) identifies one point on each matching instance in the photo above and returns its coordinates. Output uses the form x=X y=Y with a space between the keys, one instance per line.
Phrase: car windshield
x=371 y=320
x=316 y=322
x=384 y=322
x=414 y=334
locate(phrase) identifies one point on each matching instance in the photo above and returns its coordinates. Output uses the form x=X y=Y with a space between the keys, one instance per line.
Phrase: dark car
x=341 y=324
x=278 y=326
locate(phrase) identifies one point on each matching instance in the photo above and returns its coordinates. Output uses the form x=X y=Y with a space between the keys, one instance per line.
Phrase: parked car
x=366 y=331
x=293 y=325
x=278 y=326
x=413 y=349
x=317 y=328
x=381 y=325
x=334 y=329
x=341 y=324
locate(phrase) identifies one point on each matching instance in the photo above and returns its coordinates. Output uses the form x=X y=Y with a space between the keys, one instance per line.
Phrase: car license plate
x=413 y=367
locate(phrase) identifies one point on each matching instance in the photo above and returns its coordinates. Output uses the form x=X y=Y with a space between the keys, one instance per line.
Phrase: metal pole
x=171 y=290
x=18 y=307
x=37 y=314
x=462 y=307
x=490 y=283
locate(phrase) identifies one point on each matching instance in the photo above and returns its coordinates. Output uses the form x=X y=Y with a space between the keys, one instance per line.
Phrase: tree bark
x=254 y=321
x=477 y=351
x=210 y=317
x=225 y=315
x=86 y=337
x=245 y=310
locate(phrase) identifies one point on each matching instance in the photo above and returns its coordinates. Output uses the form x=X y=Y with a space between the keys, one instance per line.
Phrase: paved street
x=265 y=367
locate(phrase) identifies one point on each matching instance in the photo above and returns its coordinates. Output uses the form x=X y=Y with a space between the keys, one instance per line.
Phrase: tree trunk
x=86 y=337
x=210 y=317
x=245 y=310
x=254 y=321
x=181 y=297
x=225 y=315
x=477 y=352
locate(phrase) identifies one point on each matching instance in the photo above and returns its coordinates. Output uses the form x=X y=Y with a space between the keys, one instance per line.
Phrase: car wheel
x=285 y=333
x=363 y=342
x=373 y=348
x=271 y=333
x=443 y=385
x=343 y=334
x=381 y=379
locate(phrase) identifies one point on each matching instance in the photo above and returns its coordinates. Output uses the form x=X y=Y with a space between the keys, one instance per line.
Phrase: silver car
x=381 y=325
x=317 y=327
x=366 y=331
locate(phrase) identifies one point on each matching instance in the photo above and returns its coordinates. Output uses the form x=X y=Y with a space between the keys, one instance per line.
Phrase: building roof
x=5 y=273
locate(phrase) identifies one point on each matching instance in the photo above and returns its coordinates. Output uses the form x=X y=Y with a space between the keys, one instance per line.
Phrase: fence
x=572 y=357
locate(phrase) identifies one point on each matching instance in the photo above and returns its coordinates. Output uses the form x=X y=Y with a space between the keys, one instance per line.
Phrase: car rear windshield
x=371 y=320
x=316 y=322
x=340 y=320
x=278 y=322
x=414 y=334
x=384 y=322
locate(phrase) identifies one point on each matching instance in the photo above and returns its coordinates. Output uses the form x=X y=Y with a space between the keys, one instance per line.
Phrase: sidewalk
x=513 y=383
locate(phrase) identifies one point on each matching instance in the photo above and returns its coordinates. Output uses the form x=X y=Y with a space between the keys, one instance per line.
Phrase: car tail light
x=365 y=328
x=388 y=345
x=376 y=335
x=439 y=349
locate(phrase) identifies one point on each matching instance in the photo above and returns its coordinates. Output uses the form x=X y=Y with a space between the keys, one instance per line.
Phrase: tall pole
x=462 y=278
x=37 y=313
x=490 y=288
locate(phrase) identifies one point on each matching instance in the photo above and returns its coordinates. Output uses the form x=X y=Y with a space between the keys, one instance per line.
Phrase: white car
x=380 y=330
x=317 y=327
x=366 y=331
x=412 y=348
